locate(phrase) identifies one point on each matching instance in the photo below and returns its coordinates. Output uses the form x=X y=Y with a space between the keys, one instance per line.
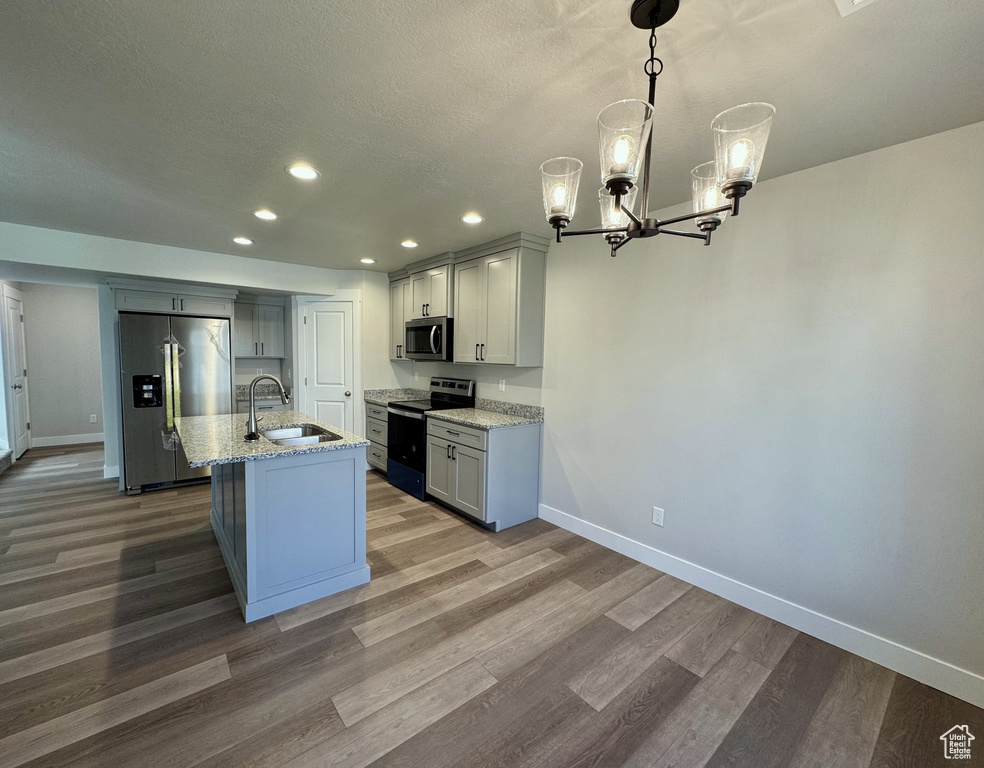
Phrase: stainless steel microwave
x=429 y=338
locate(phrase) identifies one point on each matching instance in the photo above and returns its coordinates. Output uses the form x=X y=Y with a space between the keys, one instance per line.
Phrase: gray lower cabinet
x=376 y=456
x=490 y=475
x=377 y=432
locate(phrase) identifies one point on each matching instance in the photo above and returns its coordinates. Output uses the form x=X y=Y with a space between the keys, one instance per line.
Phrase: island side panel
x=228 y=523
x=305 y=528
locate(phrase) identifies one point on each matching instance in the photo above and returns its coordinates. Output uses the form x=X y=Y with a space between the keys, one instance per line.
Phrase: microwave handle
x=433 y=343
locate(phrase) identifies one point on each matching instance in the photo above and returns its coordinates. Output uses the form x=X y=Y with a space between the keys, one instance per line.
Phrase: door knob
x=348 y=394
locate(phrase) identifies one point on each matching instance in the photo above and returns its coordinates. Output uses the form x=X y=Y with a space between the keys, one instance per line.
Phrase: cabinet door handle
x=476 y=352
x=483 y=352
x=449 y=450
x=174 y=304
x=181 y=305
x=454 y=453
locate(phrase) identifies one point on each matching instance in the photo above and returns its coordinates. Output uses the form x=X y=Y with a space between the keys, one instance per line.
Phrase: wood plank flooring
x=121 y=644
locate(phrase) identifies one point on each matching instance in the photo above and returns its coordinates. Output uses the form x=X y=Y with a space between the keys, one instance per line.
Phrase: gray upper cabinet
x=173 y=303
x=259 y=330
x=498 y=307
x=401 y=306
x=189 y=304
x=431 y=292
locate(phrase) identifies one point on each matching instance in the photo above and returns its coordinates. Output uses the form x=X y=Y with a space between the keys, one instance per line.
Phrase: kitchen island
x=290 y=520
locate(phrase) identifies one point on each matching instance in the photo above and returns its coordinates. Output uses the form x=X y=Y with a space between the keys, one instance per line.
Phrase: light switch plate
x=502 y=385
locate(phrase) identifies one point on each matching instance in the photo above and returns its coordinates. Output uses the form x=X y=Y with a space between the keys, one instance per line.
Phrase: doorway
x=16 y=397
x=328 y=380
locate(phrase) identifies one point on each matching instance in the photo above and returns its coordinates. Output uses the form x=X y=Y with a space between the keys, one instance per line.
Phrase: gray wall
x=805 y=398
x=61 y=325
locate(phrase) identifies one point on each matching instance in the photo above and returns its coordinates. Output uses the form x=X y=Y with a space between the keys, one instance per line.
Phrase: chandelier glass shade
x=707 y=193
x=560 y=178
x=625 y=138
x=615 y=216
x=623 y=130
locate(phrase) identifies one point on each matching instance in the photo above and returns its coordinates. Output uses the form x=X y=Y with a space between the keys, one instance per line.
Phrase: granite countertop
x=387 y=396
x=482 y=419
x=210 y=440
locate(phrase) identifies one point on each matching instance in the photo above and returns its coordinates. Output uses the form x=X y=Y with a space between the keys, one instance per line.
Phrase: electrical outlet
x=502 y=385
x=658 y=516
x=416 y=375
x=93 y=418
x=259 y=371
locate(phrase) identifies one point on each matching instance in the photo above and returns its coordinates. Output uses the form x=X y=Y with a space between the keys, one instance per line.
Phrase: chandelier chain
x=651 y=66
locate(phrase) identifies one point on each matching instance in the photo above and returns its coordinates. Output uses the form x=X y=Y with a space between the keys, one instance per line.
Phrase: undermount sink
x=302 y=434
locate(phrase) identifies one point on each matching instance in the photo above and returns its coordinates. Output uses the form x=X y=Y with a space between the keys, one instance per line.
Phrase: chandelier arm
x=595 y=232
x=691 y=216
x=616 y=246
x=632 y=217
x=682 y=234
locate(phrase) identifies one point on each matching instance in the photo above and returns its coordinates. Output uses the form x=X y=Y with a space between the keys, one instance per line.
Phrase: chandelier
x=625 y=143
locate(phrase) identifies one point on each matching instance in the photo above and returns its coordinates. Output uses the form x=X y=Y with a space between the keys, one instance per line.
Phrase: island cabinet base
x=291 y=529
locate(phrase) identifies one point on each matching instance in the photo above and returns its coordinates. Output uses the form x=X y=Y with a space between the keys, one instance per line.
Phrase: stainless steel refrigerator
x=171 y=366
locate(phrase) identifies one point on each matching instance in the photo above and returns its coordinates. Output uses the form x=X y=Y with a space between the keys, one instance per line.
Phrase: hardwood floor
x=121 y=644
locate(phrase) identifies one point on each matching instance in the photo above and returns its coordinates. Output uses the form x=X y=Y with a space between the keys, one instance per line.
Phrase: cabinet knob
x=348 y=394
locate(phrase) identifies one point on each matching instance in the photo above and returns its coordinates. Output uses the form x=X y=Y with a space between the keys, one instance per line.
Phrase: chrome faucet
x=251 y=433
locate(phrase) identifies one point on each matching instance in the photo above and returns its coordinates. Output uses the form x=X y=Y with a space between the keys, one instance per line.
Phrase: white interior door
x=16 y=356
x=329 y=371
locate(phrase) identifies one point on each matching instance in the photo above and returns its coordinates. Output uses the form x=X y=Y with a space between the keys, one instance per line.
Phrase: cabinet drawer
x=474 y=438
x=376 y=455
x=377 y=431
x=376 y=412
x=242 y=406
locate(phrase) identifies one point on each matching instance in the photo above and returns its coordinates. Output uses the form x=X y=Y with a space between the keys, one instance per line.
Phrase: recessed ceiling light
x=472 y=218
x=368 y=261
x=302 y=171
x=408 y=244
x=242 y=241
x=265 y=214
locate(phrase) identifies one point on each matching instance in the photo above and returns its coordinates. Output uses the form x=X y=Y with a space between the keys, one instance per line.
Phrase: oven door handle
x=433 y=343
x=408 y=414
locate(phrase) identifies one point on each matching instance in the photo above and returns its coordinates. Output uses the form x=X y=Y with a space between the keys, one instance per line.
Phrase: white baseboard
x=48 y=442
x=937 y=673
x=110 y=472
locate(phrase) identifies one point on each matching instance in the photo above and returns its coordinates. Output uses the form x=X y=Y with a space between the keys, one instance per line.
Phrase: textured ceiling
x=169 y=122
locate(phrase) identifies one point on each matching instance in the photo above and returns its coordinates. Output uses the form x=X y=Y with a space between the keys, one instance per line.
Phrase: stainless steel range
x=406 y=466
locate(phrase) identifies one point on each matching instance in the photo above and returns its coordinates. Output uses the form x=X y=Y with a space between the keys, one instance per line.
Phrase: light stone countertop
x=387 y=396
x=480 y=419
x=210 y=440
